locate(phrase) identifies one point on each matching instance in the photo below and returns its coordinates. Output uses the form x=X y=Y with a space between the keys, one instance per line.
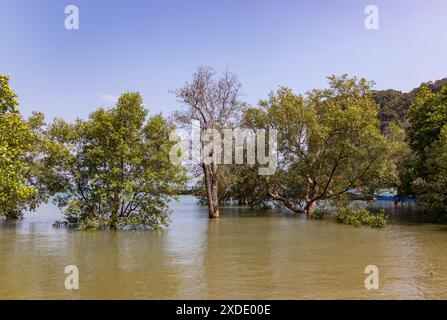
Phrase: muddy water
x=247 y=254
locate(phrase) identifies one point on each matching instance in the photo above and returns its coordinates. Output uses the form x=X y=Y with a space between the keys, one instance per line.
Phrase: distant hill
x=394 y=104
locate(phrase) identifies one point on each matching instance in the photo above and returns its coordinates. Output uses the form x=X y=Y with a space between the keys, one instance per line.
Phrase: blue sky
x=154 y=47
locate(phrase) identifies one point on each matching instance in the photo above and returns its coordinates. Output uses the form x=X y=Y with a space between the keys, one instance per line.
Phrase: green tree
x=237 y=184
x=16 y=140
x=113 y=170
x=431 y=188
x=428 y=139
x=329 y=142
x=393 y=104
x=395 y=171
x=427 y=115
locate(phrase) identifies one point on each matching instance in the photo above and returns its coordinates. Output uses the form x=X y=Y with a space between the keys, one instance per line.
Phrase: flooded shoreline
x=246 y=254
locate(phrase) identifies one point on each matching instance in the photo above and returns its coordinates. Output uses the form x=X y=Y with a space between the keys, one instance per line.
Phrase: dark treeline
x=113 y=169
x=394 y=104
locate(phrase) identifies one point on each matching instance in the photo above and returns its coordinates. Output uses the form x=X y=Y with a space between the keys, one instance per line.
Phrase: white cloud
x=109 y=97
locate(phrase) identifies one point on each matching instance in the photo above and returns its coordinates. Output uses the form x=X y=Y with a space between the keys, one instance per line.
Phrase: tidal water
x=246 y=254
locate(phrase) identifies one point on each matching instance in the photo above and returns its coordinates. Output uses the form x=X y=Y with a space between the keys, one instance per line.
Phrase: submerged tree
x=214 y=104
x=113 y=170
x=428 y=139
x=431 y=189
x=328 y=143
x=16 y=140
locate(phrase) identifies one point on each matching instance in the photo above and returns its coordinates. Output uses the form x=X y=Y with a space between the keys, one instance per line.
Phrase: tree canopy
x=329 y=142
x=394 y=104
x=113 y=170
x=16 y=140
x=427 y=135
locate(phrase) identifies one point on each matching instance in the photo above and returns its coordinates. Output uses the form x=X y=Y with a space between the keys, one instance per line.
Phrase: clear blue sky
x=154 y=46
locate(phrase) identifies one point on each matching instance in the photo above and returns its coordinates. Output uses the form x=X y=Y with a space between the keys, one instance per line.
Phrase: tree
x=16 y=139
x=328 y=143
x=214 y=103
x=236 y=185
x=113 y=170
x=428 y=139
x=431 y=188
x=427 y=116
x=393 y=104
x=395 y=171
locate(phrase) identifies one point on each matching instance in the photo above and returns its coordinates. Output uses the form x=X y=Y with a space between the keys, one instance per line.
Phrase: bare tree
x=214 y=103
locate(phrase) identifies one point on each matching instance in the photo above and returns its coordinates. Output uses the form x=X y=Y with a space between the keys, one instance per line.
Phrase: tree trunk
x=114 y=213
x=311 y=206
x=286 y=202
x=211 y=192
x=215 y=200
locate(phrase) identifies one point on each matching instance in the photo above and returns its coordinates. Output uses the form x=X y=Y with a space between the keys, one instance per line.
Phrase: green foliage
x=329 y=141
x=427 y=115
x=320 y=214
x=8 y=99
x=415 y=112
x=238 y=184
x=426 y=173
x=37 y=172
x=113 y=170
x=431 y=188
x=394 y=167
x=361 y=217
x=16 y=140
x=393 y=104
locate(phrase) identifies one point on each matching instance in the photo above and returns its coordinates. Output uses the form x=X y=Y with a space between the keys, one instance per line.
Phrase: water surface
x=247 y=254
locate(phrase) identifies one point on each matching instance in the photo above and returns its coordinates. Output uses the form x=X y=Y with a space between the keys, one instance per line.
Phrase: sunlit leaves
x=113 y=170
x=16 y=139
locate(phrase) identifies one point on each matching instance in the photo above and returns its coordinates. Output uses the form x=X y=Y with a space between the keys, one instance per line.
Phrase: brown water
x=244 y=255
